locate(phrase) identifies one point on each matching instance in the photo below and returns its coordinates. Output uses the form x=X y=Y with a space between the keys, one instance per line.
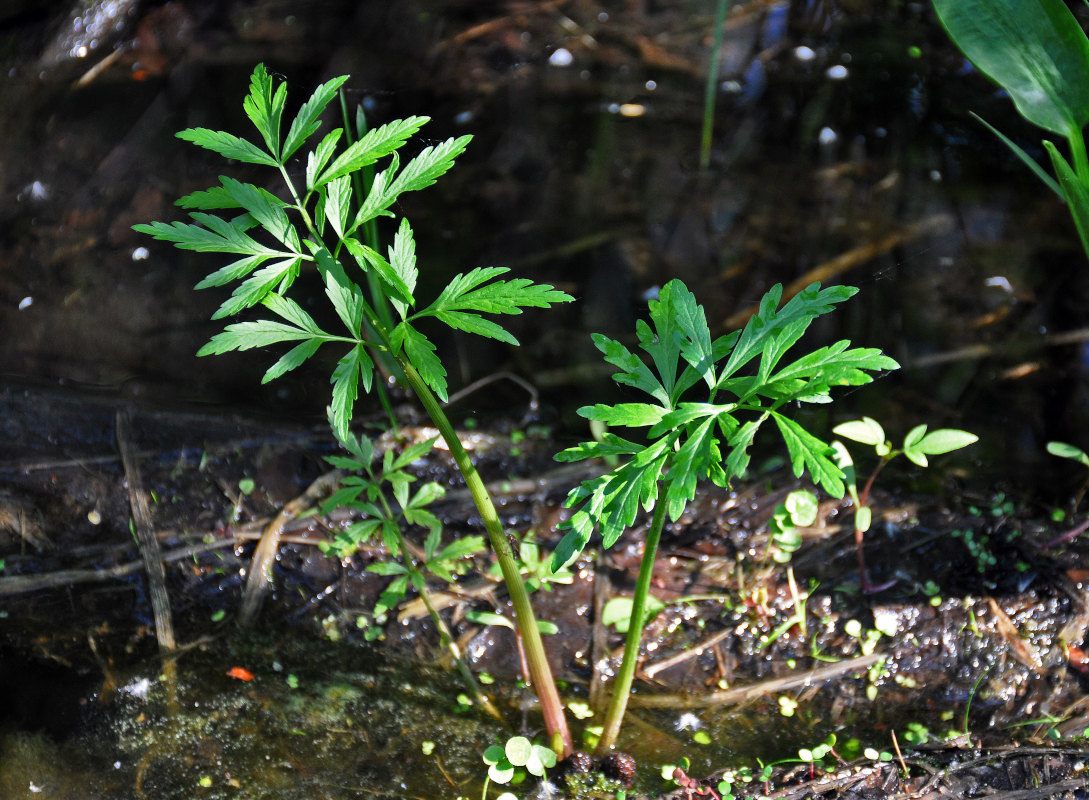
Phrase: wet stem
x=540 y=674
x=618 y=703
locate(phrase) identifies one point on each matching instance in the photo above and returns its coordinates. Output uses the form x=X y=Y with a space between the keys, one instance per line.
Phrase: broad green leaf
x=265 y=107
x=350 y=369
x=802 y=506
x=248 y=335
x=518 y=750
x=293 y=358
x=914 y=435
x=228 y=146
x=368 y=258
x=808 y=453
x=320 y=155
x=347 y=300
x=630 y=415
x=375 y=144
x=696 y=348
x=1025 y=158
x=1064 y=450
x=864 y=431
x=402 y=259
x=945 y=440
x=307 y=121
x=1034 y=49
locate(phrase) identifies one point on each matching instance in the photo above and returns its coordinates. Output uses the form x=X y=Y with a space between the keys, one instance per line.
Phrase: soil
x=967 y=671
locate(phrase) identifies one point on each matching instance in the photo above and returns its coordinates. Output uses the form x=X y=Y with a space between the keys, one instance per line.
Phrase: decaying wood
x=260 y=574
x=145 y=536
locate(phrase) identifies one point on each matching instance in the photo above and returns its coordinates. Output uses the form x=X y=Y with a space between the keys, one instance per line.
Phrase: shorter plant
x=685 y=438
x=918 y=444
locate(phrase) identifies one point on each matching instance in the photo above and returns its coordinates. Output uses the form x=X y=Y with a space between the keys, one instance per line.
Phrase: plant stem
x=539 y=671
x=618 y=703
x=709 y=90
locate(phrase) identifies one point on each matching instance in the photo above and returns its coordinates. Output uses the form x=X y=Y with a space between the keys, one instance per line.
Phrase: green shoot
x=918 y=444
x=747 y=383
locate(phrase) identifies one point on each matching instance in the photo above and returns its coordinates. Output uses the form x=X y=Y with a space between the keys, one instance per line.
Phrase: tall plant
x=321 y=227
x=1038 y=53
x=744 y=384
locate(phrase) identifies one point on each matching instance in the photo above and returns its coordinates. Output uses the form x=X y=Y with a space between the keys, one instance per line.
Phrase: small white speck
x=935 y=175
x=603 y=16
x=836 y=73
x=688 y=721
x=117 y=765
x=561 y=57
x=803 y=53
x=140 y=254
x=651 y=85
x=26 y=303
x=34 y=787
x=827 y=136
x=94 y=517
x=464 y=118
x=138 y=688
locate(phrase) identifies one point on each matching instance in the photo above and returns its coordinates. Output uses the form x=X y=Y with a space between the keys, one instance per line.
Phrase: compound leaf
x=306 y=121
x=265 y=107
x=293 y=358
x=808 y=453
x=356 y=365
x=228 y=146
x=375 y=144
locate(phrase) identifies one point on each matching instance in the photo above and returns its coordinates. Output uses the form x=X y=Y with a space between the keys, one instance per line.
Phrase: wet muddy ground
x=843 y=151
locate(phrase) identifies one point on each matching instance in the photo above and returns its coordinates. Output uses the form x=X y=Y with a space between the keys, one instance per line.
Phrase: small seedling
x=518 y=756
x=918 y=444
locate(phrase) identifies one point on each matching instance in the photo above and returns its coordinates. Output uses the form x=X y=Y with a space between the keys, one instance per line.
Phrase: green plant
x=512 y=761
x=918 y=444
x=320 y=227
x=1076 y=454
x=685 y=438
x=1037 y=52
